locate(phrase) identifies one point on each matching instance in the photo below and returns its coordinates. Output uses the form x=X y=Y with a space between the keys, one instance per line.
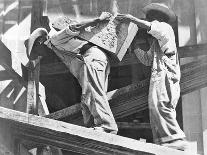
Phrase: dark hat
x=39 y=32
x=162 y=8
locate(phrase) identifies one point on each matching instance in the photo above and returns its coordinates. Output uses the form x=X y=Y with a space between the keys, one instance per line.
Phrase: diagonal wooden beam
x=186 y=51
x=73 y=112
x=76 y=138
x=4 y=75
x=133 y=98
x=192 y=50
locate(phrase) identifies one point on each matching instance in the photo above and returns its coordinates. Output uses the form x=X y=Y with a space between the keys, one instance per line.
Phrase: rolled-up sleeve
x=66 y=40
x=164 y=33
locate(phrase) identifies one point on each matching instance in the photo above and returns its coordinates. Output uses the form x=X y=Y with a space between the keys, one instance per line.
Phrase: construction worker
x=90 y=66
x=164 y=90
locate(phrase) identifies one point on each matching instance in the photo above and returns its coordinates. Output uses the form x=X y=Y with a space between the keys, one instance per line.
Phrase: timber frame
x=50 y=130
x=124 y=101
x=75 y=138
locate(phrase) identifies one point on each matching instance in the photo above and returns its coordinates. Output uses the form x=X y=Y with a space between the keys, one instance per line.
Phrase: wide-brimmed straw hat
x=39 y=32
x=162 y=8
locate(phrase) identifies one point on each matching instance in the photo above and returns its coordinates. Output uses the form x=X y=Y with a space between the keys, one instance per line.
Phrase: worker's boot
x=35 y=43
x=179 y=144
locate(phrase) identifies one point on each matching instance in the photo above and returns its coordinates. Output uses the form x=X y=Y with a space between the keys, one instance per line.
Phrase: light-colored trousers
x=92 y=70
x=164 y=93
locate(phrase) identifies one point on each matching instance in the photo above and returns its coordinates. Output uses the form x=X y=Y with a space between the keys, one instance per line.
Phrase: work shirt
x=91 y=67
x=164 y=35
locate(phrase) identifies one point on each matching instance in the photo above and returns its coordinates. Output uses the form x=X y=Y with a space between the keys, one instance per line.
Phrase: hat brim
x=31 y=40
x=162 y=8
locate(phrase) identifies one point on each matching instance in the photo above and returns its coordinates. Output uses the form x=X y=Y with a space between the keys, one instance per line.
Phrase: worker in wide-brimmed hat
x=164 y=90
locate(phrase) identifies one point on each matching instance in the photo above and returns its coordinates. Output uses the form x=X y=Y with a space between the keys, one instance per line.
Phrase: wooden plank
x=33 y=87
x=34 y=69
x=133 y=98
x=4 y=75
x=133 y=125
x=186 y=51
x=36 y=14
x=75 y=138
x=70 y=111
x=141 y=85
x=193 y=50
x=134 y=101
x=34 y=66
x=73 y=113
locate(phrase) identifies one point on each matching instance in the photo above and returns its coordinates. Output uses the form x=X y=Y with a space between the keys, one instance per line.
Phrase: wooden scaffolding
x=28 y=131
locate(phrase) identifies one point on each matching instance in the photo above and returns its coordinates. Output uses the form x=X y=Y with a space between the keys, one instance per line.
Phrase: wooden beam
x=75 y=138
x=133 y=98
x=140 y=86
x=34 y=65
x=36 y=14
x=186 y=51
x=133 y=125
x=70 y=111
x=193 y=76
x=73 y=113
x=192 y=51
x=4 y=75
x=33 y=87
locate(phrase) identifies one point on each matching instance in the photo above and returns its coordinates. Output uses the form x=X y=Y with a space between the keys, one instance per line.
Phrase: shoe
x=179 y=144
x=104 y=130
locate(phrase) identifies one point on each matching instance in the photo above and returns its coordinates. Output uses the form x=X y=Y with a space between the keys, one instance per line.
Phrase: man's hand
x=129 y=18
x=124 y=17
x=81 y=26
x=105 y=16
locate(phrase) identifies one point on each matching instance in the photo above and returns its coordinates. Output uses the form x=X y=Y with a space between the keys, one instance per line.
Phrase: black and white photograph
x=103 y=77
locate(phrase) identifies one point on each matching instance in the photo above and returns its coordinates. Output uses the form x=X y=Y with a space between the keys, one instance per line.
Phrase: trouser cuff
x=169 y=138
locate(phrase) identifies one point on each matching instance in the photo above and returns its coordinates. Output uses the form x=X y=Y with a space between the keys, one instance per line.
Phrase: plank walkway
x=76 y=138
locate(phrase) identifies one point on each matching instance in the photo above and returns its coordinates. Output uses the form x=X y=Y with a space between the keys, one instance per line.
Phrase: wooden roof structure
x=126 y=103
